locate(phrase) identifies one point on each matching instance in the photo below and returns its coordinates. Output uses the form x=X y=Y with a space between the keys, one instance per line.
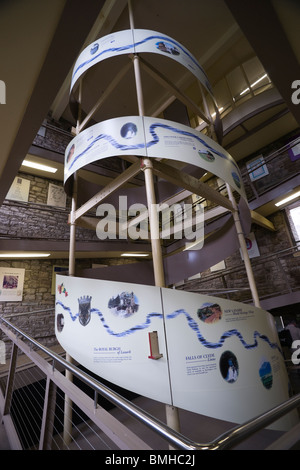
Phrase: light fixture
x=39 y=166
x=135 y=254
x=219 y=109
x=253 y=84
x=244 y=91
x=24 y=255
x=287 y=199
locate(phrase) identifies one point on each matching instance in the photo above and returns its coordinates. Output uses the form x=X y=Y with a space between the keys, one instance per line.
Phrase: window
x=293 y=214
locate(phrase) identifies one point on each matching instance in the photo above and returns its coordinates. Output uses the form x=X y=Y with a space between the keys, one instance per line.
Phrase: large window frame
x=293 y=217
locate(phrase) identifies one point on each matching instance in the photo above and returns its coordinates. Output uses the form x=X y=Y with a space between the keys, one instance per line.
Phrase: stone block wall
x=276 y=270
x=36 y=219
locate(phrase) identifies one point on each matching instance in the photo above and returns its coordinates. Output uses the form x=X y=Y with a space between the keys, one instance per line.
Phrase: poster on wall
x=294 y=152
x=213 y=356
x=257 y=168
x=218 y=267
x=19 y=190
x=56 y=196
x=11 y=284
x=252 y=247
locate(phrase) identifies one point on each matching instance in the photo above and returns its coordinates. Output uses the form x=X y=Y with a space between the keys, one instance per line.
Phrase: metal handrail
x=225 y=441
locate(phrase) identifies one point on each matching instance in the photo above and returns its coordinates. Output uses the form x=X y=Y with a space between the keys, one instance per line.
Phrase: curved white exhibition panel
x=151 y=137
x=136 y=41
x=214 y=357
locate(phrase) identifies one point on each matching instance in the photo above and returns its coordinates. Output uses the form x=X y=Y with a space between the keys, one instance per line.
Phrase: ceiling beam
x=260 y=220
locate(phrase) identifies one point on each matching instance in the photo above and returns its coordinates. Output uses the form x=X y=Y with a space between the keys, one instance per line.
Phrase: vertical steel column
x=68 y=402
x=243 y=246
x=172 y=415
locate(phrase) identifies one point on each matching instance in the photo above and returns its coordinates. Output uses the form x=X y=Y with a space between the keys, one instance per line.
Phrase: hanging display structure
x=213 y=356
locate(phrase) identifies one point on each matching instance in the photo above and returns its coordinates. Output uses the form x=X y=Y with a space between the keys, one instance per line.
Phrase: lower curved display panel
x=204 y=354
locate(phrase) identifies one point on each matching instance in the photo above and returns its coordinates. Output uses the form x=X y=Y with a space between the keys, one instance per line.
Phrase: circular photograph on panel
x=60 y=322
x=207 y=156
x=71 y=153
x=129 y=130
x=94 y=48
x=166 y=47
x=209 y=312
x=265 y=374
x=229 y=367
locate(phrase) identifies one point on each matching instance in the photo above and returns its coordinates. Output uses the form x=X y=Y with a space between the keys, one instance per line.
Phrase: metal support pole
x=158 y=267
x=243 y=247
x=172 y=415
x=67 y=434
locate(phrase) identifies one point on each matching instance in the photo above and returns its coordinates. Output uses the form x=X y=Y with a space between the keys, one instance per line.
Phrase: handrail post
x=10 y=380
x=48 y=416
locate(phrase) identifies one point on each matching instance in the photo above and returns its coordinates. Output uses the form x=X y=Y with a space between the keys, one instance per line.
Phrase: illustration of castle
x=124 y=304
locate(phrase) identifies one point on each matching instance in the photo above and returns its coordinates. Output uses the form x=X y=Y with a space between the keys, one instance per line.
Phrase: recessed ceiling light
x=253 y=84
x=24 y=255
x=287 y=199
x=39 y=166
x=135 y=254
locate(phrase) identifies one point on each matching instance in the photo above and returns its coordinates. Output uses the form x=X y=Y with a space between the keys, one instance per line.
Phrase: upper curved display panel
x=137 y=41
x=151 y=137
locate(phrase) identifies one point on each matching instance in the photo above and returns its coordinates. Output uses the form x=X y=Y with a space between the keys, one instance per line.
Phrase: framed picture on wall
x=56 y=196
x=257 y=168
x=19 y=190
x=11 y=284
x=294 y=152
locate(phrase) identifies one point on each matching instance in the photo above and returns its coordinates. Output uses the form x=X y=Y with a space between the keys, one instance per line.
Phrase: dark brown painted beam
x=261 y=26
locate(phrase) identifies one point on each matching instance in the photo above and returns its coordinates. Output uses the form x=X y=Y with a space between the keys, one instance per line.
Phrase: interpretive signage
x=11 y=284
x=151 y=137
x=212 y=356
x=137 y=41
